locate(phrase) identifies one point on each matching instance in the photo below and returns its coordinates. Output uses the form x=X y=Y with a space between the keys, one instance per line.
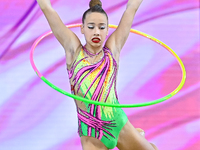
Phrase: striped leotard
x=97 y=82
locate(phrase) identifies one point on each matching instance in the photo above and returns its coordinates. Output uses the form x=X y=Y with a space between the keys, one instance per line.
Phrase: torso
x=95 y=79
x=84 y=59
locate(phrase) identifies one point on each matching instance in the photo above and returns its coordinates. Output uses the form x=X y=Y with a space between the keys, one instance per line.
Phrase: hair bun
x=95 y=2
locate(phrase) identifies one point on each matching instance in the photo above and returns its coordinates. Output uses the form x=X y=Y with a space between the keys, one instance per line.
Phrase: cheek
x=87 y=33
x=104 y=34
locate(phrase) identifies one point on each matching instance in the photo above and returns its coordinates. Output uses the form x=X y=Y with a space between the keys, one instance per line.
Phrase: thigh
x=131 y=139
x=91 y=143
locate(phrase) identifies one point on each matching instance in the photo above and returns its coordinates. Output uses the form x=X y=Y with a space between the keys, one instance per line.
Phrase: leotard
x=97 y=82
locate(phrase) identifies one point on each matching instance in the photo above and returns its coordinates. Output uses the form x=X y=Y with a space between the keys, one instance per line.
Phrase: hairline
x=96 y=12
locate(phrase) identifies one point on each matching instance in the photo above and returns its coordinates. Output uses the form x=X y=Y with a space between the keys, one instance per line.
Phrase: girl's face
x=95 y=29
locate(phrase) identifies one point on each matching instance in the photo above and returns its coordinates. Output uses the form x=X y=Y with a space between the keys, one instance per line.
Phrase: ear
x=82 y=26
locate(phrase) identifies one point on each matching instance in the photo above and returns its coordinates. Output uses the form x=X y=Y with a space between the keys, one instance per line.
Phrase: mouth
x=96 y=40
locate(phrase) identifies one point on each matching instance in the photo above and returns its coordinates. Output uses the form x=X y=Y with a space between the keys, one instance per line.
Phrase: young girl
x=92 y=70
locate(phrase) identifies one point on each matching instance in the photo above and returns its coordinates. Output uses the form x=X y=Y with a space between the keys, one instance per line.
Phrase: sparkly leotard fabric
x=97 y=82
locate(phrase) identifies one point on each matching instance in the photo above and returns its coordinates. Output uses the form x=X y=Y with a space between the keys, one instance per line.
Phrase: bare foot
x=141 y=131
x=143 y=134
x=154 y=146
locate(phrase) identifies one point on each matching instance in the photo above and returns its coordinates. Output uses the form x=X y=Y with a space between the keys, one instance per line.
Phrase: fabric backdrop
x=35 y=117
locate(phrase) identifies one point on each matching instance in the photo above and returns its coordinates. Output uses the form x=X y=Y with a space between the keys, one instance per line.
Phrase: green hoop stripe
x=106 y=104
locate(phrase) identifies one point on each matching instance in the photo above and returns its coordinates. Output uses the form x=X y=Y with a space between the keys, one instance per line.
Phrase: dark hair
x=96 y=8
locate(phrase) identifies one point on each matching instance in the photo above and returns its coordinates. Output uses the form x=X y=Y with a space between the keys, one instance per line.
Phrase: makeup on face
x=96 y=40
x=101 y=26
x=93 y=26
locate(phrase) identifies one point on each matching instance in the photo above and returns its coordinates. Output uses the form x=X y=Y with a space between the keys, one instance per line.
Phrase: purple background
x=35 y=117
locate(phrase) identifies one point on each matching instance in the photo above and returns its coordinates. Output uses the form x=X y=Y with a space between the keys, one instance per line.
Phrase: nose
x=96 y=31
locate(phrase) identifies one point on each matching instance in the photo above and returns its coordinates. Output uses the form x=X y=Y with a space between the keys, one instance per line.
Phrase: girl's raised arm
x=65 y=36
x=118 y=38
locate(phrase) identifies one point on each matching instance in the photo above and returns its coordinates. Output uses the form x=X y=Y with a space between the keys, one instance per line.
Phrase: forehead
x=95 y=17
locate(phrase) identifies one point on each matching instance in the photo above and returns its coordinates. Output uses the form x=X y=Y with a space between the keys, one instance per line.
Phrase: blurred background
x=35 y=117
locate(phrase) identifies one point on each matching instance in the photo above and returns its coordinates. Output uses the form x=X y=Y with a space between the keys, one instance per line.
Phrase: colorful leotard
x=97 y=82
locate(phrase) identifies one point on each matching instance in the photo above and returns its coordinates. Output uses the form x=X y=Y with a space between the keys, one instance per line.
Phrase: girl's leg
x=154 y=146
x=91 y=143
x=131 y=139
x=143 y=134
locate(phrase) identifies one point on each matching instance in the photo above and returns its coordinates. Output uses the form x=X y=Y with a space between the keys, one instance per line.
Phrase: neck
x=90 y=53
x=93 y=50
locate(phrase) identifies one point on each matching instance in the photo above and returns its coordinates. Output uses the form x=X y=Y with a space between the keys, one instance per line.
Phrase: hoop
x=102 y=103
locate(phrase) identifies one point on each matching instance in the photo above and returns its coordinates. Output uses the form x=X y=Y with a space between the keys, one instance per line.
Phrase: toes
x=141 y=131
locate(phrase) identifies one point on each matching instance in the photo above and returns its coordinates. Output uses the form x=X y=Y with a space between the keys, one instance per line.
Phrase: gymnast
x=92 y=70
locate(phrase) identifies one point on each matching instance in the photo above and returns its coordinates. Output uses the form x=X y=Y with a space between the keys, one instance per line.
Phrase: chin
x=96 y=44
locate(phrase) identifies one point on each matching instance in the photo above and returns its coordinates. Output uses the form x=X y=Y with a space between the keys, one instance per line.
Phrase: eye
x=102 y=27
x=91 y=27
